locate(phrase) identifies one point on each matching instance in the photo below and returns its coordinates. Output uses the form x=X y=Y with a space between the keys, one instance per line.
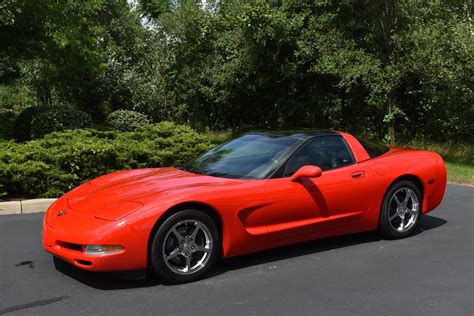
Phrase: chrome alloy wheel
x=403 y=209
x=187 y=247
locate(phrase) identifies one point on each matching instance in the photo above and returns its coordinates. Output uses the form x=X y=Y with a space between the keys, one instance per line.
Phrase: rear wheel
x=401 y=210
x=184 y=247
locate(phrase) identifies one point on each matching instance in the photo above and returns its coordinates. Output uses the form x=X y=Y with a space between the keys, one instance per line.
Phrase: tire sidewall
x=157 y=260
x=384 y=223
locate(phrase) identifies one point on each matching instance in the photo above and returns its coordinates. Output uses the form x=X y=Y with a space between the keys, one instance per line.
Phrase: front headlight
x=102 y=249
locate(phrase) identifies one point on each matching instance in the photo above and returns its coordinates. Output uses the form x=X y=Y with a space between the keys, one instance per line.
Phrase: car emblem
x=61 y=213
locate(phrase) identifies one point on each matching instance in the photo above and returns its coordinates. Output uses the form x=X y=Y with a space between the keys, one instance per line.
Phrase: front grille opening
x=71 y=246
x=83 y=262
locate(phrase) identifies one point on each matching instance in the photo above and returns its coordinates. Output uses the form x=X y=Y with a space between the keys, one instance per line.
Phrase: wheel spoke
x=173 y=254
x=177 y=234
x=202 y=249
x=407 y=196
x=397 y=200
x=412 y=211
x=188 y=263
x=394 y=216
x=195 y=231
x=402 y=223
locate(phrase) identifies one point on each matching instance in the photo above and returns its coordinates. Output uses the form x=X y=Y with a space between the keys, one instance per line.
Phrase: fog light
x=102 y=249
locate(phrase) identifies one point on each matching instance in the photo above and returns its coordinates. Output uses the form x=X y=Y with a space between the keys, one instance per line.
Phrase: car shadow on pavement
x=139 y=279
x=312 y=247
x=106 y=280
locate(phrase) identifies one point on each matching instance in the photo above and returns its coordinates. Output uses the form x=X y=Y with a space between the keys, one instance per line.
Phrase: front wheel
x=401 y=210
x=184 y=247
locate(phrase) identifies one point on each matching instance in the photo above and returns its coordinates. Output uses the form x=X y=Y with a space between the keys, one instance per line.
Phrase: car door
x=340 y=196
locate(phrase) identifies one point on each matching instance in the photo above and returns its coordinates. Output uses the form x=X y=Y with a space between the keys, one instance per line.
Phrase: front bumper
x=66 y=237
x=74 y=254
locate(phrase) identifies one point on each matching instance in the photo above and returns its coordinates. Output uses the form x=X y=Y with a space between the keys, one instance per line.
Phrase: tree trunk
x=391 y=123
x=386 y=14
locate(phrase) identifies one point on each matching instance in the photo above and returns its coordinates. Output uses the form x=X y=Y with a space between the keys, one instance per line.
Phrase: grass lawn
x=459 y=159
x=460 y=173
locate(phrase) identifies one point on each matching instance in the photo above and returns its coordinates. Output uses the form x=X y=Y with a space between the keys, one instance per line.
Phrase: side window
x=326 y=152
x=373 y=149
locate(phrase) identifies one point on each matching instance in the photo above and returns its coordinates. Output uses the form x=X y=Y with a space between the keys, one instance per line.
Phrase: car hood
x=116 y=195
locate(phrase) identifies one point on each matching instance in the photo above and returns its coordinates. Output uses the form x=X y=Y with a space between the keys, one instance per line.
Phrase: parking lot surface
x=430 y=273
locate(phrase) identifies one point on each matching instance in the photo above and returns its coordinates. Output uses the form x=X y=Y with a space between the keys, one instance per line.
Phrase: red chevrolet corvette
x=258 y=191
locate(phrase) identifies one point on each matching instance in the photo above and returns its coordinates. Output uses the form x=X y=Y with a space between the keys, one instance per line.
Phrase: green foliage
x=220 y=137
x=396 y=70
x=77 y=51
x=60 y=161
x=22 y=128
x=7 y=121
x=58 y=119
x=37 y=121
x=15 y=97
x=369 y=67
x=126 y=120
x=456 y=153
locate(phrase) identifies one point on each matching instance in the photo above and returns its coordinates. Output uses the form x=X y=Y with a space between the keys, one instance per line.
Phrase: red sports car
x=258 y=191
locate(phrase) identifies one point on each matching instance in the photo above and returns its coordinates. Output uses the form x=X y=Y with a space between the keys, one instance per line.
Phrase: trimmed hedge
x=50 y=166
x=37 y=121
x=22 y=128
x=58 y=120
x=7 y=121
x=126 y=120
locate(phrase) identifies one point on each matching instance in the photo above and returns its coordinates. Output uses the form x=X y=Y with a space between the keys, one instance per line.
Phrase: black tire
x=164 y=270
x=388 y=212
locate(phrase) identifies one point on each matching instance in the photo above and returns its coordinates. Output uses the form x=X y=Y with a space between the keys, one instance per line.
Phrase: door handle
x=358 y=174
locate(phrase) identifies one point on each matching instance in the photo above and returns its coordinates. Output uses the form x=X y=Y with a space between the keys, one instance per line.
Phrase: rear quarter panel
x=427 y=167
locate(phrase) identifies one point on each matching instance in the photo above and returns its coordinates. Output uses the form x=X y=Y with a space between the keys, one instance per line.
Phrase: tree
x=395 y=69
x=72 y=50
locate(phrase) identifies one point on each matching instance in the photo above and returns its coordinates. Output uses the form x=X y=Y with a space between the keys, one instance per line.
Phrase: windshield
x=252 y=156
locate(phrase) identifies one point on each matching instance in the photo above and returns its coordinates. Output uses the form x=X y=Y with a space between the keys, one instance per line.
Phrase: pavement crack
x=32 y=304
x=28 y=263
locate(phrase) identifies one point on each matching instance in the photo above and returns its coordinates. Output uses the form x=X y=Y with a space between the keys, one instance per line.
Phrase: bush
x=57 y=120
x=50 y=166
x=126 y=120
x=22 y=128
x=7 y=122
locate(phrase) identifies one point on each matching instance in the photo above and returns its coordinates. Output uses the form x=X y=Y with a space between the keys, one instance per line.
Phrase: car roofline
x=301 y=134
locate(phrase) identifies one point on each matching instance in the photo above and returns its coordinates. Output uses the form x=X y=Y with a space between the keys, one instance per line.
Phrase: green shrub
x=57 y=120
x=22 y=128
x=50 y=166
x=7 y=121
x=126 y=120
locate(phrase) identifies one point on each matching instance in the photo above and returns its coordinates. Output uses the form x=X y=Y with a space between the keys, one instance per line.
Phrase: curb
x=25 y=206
x=462 y=184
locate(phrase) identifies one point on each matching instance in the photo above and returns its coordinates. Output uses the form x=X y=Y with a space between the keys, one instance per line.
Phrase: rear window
x=373 y=149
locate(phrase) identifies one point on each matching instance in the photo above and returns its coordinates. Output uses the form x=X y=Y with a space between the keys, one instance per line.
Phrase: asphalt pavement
x=430 y=273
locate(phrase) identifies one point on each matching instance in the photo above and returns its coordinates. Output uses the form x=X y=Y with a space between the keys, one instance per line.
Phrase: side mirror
x=306 y=172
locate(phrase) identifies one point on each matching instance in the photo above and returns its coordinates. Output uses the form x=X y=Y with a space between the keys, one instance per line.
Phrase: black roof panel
x=302 y=134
